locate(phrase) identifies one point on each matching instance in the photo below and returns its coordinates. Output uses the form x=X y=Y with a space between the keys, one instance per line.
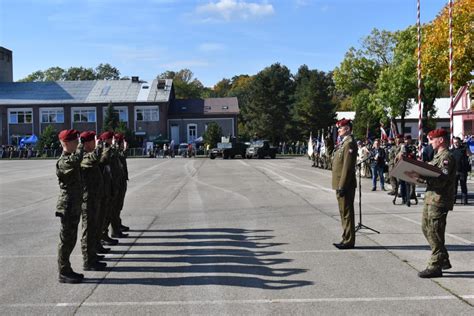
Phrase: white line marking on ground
x=256 y=301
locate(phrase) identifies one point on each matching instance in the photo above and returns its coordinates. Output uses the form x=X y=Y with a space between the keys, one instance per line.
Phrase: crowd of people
x=92 y=174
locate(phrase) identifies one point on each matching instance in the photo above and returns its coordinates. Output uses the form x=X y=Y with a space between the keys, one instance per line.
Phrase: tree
x=79 y=73
x=185 y=86
x=48 y=138
x=222 y=88
x=267 y=112
x=54 y=74
x=435 y=48
x=313 y=108
x=36 y=76
x=212 y=135
x=107 y=72
x=111 y=119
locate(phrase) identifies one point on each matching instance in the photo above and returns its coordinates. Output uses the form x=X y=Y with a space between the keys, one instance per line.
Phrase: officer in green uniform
x=344 y=182
x=92 y=193
x=439 y=199
x=123 y=146
x=68 y=171
x=392 y=155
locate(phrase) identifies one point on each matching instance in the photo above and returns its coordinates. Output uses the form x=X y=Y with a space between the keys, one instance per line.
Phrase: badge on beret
x=445 y=171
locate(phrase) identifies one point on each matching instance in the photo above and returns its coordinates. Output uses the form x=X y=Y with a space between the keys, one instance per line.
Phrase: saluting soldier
x=92 y=194
x=68 y=171
x=123 y=146
x=109 y=192
x=344 y=182
x=120 y=177
x=439 y=199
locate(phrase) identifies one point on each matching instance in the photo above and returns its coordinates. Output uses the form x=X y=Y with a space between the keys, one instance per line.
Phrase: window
x=407 y=130
x=52 y=116
x=147 y=114
x=21 y=117
x=83 y=116
x=121 y=112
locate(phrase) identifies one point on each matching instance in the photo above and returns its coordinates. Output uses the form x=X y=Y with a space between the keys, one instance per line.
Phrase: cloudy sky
x=214 y=38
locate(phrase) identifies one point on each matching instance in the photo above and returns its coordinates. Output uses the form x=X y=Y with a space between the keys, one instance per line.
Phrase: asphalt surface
x=230 y=237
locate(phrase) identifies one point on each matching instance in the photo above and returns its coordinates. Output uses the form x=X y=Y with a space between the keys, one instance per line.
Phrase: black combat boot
x=96 y=266
x=100 y=257
x=101 y=249
x=124 y=228
x=120 y=235
x=71 y=277
x=464 y=199
x=446 y=265
x=106 y=240
x=430 y=273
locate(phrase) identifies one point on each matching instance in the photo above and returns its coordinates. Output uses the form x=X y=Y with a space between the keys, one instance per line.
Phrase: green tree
x=48 y=139
x=107 y=72
x=111 y=119
x=313 y=108
x=54 y=74
x=79 y=73
x=222 y=88
x=267 y=112
x=212 y=135
x=185 y=85
x=36 y=76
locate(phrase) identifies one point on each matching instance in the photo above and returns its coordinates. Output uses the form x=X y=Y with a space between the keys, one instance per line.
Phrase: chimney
x=135 y=79
x=6 y=65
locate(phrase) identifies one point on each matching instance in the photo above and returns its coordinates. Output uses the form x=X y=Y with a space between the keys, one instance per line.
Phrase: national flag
x=383 y=133
x=310 y=145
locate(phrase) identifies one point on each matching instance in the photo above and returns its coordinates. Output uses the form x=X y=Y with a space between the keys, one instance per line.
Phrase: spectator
x=461 y=153
x=377 y=165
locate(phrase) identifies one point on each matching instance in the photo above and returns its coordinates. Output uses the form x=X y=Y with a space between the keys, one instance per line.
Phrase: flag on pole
x=310 y=145
x=393 y=128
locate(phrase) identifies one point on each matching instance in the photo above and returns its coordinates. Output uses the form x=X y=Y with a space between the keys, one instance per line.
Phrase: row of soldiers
x=92 y=174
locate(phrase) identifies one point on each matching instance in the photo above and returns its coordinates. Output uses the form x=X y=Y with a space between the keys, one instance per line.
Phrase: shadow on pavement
x=458 y=274
x=216 y=256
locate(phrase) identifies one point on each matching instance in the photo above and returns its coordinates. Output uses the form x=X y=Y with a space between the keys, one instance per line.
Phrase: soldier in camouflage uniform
x=344 y=182
x=439 y=199
x=392 y=155
x=106 y=157
x=68 y=171
x=120 y=174
x=92 y=193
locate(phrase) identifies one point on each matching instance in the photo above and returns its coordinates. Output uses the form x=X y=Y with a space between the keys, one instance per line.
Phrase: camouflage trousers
x=67 y=238
x=433 y=225
x=102 y=216
x=346 y=210
x=117 y=206
x=90 y=213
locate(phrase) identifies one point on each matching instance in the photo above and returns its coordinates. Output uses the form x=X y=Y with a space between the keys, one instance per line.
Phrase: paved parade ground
x=230 y=237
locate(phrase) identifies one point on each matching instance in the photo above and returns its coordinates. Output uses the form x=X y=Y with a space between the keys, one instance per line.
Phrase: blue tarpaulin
x=28 y=140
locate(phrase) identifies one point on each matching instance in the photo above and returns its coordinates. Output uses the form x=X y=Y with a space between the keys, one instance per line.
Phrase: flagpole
x=420 y=106
x=451 y=107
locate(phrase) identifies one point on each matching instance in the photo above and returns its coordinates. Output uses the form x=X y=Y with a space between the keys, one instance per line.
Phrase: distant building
x=148 y=109
x=463 y=114
x=6 y=65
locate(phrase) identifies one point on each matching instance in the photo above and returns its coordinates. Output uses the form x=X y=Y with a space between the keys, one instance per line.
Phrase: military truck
x=228 y=150
x=260 y=149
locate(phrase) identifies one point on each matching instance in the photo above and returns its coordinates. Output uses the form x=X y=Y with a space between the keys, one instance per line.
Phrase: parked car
x=261 y=149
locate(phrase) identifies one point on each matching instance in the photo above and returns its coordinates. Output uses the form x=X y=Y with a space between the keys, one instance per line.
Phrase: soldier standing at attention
x=92 y=193
x=392 y=155
x=439 y=199
x=120 y=174
x=109 y=192
x=344 y=182
x=68 y=171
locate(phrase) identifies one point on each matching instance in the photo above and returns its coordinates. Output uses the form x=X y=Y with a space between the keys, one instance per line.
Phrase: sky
x=215 y=39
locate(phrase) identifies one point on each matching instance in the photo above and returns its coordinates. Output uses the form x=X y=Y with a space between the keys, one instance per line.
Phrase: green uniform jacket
x=343 y=165
x=92 y=177
x=440 y=190
x=105 y=160
x=123 y=160
x=393 y=153
x=68 y=171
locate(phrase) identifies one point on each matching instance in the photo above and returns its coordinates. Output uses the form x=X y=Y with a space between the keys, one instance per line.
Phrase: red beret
x=344 y=122
x=407 y=136
x=106 y=135
x=68 y=135
x=438 y=133
x=88 y=136
x=391 y=138
x=399 y=136
x=119 y=137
